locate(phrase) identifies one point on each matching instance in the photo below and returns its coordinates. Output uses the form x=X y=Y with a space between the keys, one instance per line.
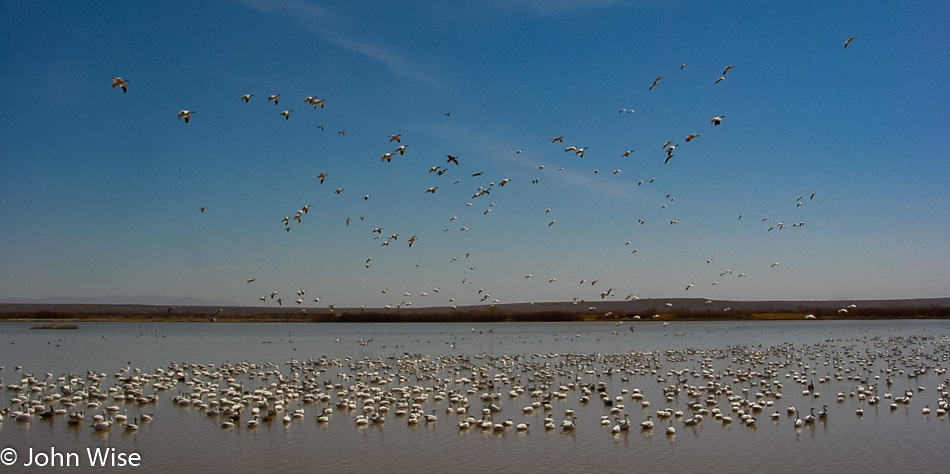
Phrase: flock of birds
x=745 y=385
x=482 y=191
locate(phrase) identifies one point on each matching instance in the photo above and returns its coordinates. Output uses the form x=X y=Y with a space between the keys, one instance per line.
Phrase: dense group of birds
x=482 y=190
x=498 y=393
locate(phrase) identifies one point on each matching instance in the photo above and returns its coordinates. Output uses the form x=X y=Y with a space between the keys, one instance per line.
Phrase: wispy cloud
x=597 y=184
x=331 y=27
x=502 y=153
x=550 y=7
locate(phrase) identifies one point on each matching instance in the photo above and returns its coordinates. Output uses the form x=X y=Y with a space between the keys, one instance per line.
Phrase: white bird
x=717 y=120
x=247 y=97
x=186 y=114
x=275 y=98
x=119 y=82
x=286 y=114
x=131 y=426
x=648 y=424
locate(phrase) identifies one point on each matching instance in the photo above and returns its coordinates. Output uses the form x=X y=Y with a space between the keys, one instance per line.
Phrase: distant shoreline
x=665 y=309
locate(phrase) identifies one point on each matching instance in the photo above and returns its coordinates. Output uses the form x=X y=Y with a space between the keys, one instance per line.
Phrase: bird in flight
x=395 y=138
x=655 y=82
x=849 y=40
x=286 y=114
x=726 y=69
x=452 y=159
x=557 y=139
x=669 y=153
x=412 y=240
x=119 y=82
x=186 y=114
x=274 y=97
x=717 y=120
x=691 y=137
x=322 y=176
x=247 y=97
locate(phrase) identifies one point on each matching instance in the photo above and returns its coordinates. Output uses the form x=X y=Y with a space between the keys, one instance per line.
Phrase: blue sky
x=100 y=190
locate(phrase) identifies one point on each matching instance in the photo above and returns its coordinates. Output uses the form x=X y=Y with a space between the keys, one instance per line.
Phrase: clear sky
x=100 y=190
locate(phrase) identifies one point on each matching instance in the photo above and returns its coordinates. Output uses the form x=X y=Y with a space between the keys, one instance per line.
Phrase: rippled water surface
x=776 y=360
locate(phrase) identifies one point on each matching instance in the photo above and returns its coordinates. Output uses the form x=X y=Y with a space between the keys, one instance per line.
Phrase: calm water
x=650 y=358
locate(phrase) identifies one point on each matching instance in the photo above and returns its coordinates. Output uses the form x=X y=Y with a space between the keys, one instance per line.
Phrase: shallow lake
x=688 y=367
